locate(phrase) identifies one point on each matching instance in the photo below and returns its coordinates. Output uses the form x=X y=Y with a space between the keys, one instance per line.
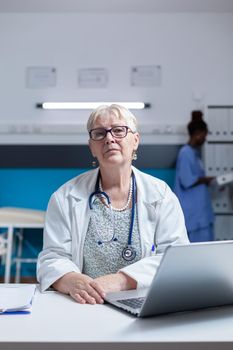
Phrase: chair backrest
x=3 y=244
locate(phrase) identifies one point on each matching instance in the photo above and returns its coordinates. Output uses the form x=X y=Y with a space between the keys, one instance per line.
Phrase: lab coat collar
x=84 y=185
x=147 y=193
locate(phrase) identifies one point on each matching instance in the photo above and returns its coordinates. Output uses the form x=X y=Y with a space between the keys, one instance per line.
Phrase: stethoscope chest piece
x=128 y=253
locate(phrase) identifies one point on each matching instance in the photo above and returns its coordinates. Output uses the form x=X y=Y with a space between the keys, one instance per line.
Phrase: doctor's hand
x=81 y=288
x=114 y=282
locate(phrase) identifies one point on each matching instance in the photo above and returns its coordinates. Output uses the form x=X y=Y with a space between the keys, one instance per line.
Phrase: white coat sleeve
x=169 y=230
x=55 y=259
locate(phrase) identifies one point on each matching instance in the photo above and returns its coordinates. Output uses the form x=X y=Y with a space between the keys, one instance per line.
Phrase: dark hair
x=197 y=123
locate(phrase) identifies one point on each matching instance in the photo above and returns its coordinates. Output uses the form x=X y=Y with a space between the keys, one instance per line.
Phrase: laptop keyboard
x=135 y=303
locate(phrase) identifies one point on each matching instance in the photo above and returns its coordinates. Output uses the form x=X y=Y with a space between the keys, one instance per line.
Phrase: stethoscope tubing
x=97 y=192
x=132 y=211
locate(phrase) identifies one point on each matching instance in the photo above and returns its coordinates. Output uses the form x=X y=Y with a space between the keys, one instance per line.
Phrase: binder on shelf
x=16 y=298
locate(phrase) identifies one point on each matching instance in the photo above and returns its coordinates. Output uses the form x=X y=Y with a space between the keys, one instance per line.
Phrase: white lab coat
x=160 y=220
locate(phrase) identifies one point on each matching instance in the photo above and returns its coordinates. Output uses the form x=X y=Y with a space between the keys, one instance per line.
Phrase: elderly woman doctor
x=106 y=229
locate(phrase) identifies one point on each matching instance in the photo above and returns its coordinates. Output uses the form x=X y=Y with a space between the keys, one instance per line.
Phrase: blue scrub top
x=195 y=201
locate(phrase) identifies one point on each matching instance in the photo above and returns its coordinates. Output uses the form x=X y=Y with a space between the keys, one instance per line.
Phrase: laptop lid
x=194 y=276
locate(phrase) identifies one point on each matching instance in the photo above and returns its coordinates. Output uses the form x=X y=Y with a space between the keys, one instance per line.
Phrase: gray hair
x=118 y=111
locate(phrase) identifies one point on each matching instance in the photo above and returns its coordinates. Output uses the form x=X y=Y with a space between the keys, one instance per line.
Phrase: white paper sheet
x=16 y=297
x=224 y=179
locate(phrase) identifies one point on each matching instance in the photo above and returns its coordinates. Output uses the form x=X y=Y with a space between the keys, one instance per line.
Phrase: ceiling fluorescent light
x=90 y=105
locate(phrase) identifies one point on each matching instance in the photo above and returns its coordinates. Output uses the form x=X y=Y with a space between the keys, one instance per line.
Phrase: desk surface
x=56 y=319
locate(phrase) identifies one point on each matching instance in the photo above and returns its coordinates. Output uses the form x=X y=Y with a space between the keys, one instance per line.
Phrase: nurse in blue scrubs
x=191 y=183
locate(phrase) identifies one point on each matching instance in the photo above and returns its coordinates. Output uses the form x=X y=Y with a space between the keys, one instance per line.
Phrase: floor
x=23 y=280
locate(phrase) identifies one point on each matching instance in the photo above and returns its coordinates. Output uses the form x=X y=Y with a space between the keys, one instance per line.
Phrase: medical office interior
x=175 y=56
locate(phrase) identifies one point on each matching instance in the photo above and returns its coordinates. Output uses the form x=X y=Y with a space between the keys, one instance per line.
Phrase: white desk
x=57 y=322
x=17 y=218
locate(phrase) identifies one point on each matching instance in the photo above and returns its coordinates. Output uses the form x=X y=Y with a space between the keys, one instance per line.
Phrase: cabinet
x=218 y=158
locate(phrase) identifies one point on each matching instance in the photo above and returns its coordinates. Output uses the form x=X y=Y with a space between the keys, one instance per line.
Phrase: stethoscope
x=128 y=252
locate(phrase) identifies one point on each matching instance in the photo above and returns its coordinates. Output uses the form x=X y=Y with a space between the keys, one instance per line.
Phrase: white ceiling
x=116 y=6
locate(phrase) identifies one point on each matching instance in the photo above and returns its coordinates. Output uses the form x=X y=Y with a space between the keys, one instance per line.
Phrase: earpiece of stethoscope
x=100 y=242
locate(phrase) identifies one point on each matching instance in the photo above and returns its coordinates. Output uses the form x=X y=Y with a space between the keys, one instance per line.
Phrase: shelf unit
x=218 y=155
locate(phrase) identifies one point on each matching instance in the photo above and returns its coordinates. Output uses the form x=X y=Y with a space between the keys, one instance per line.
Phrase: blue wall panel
x=31 y=188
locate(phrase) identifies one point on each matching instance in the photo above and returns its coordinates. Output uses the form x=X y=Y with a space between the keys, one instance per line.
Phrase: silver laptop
x=190 y=277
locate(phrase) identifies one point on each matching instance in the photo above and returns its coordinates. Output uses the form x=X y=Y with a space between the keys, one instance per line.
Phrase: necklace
x=128 y=200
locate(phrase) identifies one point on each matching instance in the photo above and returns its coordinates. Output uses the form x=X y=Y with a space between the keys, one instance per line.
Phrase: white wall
x=194 y=50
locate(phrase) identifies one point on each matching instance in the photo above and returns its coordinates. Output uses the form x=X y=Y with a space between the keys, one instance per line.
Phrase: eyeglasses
x=118 y=132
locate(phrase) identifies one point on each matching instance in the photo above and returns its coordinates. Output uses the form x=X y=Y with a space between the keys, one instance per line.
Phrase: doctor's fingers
x=95 y=294
x=83 y=297
x=98 y=288
x=87 y=294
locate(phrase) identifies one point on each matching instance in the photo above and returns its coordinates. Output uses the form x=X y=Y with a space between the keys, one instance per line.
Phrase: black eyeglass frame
x=127 y=130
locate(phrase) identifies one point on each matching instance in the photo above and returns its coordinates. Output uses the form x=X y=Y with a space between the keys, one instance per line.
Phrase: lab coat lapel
x=81 y=213
x=147 y=200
